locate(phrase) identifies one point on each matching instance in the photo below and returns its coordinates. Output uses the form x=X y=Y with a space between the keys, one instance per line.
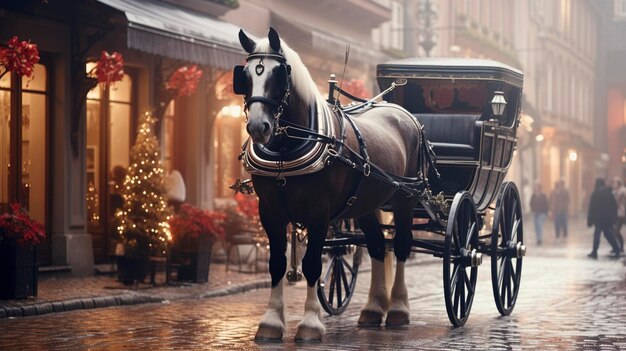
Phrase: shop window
x=24 y=144
x=229 y=135
x=168 y=137
x=109 y=122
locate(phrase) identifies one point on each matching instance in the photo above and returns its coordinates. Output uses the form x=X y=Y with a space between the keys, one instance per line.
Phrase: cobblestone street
x=566 y=301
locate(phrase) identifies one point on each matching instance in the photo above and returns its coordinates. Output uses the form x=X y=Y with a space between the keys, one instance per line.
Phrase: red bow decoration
x=19 y=57
x=110 y=68
x=184 y=81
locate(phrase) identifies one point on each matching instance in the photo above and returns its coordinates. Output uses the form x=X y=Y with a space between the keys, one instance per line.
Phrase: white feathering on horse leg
x=378 y=298
x=275 y=315
x=399 y=309
x=311 y=327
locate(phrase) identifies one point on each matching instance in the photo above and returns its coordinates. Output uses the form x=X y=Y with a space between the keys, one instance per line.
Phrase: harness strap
x=362 y=145
x=262 y=99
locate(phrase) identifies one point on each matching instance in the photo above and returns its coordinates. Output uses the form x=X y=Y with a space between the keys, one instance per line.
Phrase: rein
x=359 y=161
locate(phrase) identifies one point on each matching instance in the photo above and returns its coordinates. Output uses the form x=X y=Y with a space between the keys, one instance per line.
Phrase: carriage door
x=109 y=124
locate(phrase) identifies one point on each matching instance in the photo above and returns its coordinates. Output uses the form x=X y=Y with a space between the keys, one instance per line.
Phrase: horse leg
x=311 y=328
x=398 y=313
x=377 y=302
x=272 y=324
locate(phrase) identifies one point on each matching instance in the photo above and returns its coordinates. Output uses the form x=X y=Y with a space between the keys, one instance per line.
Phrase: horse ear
x=246 y=43
x=274 y=39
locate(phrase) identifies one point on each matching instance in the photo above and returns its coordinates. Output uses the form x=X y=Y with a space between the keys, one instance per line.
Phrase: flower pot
x=18 y=270
x=193 y=258
x=132 y=269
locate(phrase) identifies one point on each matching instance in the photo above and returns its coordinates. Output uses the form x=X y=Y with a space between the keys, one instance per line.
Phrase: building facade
x=72 y=138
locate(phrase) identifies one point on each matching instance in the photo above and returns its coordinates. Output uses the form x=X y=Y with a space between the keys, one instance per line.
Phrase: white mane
x=300 y=77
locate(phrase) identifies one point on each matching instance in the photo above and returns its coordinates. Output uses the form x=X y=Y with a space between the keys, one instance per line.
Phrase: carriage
x=470 y=111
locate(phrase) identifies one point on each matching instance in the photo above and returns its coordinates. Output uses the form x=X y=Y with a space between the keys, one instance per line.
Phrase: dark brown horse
x=279 y=91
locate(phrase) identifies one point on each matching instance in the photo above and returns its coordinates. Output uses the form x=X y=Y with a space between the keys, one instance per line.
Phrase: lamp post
x=426 y=18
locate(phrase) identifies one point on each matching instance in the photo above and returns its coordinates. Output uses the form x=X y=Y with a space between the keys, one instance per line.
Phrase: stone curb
x=126 y=299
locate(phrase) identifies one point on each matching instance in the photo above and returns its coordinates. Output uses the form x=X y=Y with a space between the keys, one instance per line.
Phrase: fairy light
x=144 y=191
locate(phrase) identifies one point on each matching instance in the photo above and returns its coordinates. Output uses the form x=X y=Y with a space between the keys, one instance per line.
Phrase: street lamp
x=498 y=104
x=426 y=18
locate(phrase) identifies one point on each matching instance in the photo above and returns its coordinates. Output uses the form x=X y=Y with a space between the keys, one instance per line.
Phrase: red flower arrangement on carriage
x=184 y=81
x=109 y=69
x=192 y=222
x=17 y=225
x=19 y=57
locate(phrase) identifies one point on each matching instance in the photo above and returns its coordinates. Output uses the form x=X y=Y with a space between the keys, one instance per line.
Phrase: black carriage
x=470 y=111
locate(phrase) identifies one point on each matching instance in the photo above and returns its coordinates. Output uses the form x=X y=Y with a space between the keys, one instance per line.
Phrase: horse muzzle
x=260 y=131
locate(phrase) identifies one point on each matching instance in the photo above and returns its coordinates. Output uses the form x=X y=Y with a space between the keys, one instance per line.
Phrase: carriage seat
x=453 y=136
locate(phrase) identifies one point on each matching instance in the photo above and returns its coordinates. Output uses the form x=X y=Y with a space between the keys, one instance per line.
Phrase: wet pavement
x=566 y=301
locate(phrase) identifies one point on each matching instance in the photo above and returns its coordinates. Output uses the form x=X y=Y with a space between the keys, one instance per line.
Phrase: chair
x=236 y=239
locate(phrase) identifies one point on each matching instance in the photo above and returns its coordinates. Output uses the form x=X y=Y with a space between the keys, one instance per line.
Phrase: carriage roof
x=450 y=68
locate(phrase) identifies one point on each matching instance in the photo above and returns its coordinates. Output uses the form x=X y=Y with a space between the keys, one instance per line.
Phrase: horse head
x=264 y=81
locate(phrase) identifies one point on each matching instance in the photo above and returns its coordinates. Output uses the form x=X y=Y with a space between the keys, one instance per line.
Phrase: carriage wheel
x=338 y=280
x=461 y=253
x=507 y=249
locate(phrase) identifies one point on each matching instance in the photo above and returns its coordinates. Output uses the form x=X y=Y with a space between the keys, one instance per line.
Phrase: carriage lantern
x=498 y=103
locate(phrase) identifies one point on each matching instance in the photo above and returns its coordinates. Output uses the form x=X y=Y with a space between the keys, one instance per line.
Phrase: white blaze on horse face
x=260 y=119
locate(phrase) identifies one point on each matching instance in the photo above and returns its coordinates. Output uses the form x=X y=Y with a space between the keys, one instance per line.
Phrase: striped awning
x=163 y=29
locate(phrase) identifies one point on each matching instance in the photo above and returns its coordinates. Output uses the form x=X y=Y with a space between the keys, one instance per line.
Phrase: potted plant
x=19 y=237
x=193 y=233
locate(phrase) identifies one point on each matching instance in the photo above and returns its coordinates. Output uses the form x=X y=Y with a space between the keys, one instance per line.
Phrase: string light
x=144 y=189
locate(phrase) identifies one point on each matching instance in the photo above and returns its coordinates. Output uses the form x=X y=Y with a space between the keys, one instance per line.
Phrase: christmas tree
x=93 y=212
x=143 y=221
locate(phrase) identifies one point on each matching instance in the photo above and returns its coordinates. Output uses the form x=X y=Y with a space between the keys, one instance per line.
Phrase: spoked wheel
x=507 y=249
x=461 y=253
x=338 y=280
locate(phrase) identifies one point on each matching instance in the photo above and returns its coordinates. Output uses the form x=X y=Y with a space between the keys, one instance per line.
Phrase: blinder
x=240 y=81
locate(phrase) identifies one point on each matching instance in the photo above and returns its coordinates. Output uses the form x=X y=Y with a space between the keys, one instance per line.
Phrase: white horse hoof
x=268 y=333
x=308 y=335
x=396 y=318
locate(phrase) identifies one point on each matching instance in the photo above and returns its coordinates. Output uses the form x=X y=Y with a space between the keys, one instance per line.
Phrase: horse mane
x=301 y=79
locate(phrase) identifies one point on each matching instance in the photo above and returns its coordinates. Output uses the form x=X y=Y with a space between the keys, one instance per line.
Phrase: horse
x=279 y=92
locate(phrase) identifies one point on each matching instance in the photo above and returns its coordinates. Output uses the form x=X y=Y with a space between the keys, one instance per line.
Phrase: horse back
x=392 y=137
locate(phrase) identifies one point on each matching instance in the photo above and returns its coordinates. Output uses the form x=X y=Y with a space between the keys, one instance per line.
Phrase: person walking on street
x=560 y=205
x=619 y=191
x=539 y=207
x=602 y=214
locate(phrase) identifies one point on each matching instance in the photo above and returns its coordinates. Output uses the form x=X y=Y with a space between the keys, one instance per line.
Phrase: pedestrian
x=560 y=205
x=619 y=191
x=602 y=214
x=539 y=207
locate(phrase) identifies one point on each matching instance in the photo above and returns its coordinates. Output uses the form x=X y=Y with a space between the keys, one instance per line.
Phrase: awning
x=330 y=45
x=163 y=29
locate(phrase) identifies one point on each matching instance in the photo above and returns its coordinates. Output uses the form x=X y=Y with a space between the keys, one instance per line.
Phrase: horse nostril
x=266 y=128
x=248 y=129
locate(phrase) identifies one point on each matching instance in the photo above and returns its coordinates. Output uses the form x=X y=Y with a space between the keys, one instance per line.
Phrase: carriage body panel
x=451 y=98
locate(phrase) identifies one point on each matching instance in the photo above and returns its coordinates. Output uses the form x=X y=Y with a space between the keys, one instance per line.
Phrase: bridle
x=240 y=84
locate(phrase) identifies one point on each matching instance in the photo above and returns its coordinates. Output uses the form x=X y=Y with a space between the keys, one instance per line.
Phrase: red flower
x=247 y=205
x=194 y=222
x=19 y=226
x=110 y=68
x=19 y=57
x=184 y=81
